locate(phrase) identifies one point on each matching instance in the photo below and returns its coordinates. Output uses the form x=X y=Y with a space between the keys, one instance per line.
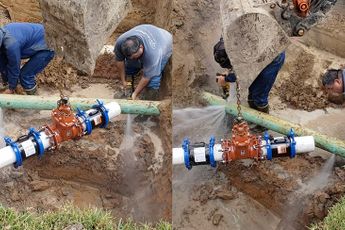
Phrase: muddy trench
x=279 y=194
x=124 y=168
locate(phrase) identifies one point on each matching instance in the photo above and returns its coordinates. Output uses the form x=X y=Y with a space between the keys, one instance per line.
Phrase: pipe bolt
x=300 y=32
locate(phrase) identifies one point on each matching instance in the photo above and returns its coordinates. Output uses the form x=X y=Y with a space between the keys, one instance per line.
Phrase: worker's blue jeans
x=261 y=86
x=132 y=67
x=28 y=72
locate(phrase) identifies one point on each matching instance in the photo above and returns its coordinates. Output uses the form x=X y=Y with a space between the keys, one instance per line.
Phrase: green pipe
x=11 y=101
x=322 y=141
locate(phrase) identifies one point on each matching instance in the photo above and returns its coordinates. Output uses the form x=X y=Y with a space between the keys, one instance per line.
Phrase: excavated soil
x=58 y=75
x=196 y=28
x=23 y=10
x=296 y=90
x=281 y=194
x=101 y=170
x=274 y=184
x=124 y=168
x=299 y=82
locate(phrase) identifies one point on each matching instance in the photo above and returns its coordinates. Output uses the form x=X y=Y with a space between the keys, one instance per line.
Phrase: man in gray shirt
x=333 y=81
x=144 y=47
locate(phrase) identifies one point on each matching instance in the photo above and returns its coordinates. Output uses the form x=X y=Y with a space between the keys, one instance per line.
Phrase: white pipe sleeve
x=217 y=152
x=114 y=109
x=178 y=156
x=305 y=144
x=45 y=140
x=7 y=156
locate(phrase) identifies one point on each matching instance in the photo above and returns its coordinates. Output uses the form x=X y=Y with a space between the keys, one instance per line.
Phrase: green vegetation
x=335 y=220
x=67 y=216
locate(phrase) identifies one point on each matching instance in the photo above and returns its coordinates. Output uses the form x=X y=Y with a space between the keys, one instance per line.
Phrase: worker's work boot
x=32 y=91
x=150 y=94
x=263 y=109
x=128 y=91
x=130 y=87
x=3 y=86
x=257 y=129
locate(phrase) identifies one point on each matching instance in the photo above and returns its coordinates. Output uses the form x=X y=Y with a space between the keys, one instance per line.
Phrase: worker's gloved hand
x=220 y=79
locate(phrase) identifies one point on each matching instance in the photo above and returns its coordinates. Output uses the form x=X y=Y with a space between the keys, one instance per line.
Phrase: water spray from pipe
x=300 y=197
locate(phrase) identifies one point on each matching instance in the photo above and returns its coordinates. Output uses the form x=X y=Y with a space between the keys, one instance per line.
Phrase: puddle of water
x=295 y=207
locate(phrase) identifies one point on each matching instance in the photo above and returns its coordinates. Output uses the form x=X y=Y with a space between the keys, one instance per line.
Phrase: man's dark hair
x=220 y=55
x=130 y=46
x=330 y=76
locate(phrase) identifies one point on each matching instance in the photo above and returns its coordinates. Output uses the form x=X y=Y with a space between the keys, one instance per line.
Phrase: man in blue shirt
x=23 y=41
x=333 y=81
x=260 y=88
x=144 y=47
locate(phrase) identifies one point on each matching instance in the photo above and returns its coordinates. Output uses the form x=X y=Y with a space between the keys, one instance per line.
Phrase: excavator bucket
x=257 y=31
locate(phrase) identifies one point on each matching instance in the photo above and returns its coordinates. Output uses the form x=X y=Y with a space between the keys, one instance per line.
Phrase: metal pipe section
x=48 y=103
x=322 y=141
x=37 y=142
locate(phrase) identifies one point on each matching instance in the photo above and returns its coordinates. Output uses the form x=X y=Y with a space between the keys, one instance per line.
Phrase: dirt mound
x=301 y=88
x=24 y=10
x=105 y=66
x=58 y=75
x=4 y=15
x=62 y=76
x=275 y=183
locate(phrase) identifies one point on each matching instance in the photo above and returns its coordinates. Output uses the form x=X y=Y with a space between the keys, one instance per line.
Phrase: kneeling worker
x=144 y=47
x=23 y=41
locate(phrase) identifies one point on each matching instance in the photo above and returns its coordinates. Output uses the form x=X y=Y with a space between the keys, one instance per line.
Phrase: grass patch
x=335 y=220
x=67 y=216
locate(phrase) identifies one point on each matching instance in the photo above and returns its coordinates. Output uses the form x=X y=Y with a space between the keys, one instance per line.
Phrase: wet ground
x=278 y=194
x=119 y=168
